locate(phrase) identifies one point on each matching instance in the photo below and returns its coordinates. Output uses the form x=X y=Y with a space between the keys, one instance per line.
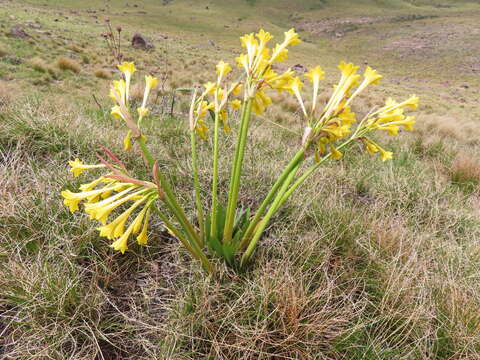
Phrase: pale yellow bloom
x=235 y=104
x=91 y=185
x=117 y=112
x=223 y=69
x=295 y=86
x=142 y=112
x=77 y=167
x=142 y=239
x=128 y=68
x=315 y=75
x=150 y=83
x=127 y=141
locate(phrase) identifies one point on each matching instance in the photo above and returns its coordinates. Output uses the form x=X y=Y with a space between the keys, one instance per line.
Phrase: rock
x=141 y=42
x=162 y=37
x=299 y=68
x=18 y=32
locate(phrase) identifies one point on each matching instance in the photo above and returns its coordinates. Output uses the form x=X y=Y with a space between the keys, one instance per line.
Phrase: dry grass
x=67 y=64
x=466 y=169
x=102 y=73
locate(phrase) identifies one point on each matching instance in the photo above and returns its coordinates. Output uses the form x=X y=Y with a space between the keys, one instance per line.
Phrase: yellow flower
x=150 y=83
x=385 y=155
x=201 y=129
x=120 y=89
x=117 y=112
x=235 y=104
x=72 y=199
x=142 y=111
x=412 y=102
x=347 y=69
x=294 y=87
x=248 y=41
x=260 y=102
x=142 y=239
x=121 y=243
x=242 y=61
x=373 y=148
x=315 y=75
x=371 y=76
x=408 y=123
x=127 y=141
x=128 y=68
x=77 y=167
x=291 y=38
x=280 y=51
x=91 y=185
x=222 y=69
x=210 y=88
x=101 y=210
x=335 y=153
x=264 y=37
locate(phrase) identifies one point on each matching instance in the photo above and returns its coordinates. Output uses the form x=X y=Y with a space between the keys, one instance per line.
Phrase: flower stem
x=237 y=171
x=196 y=183
x=213 y=224
x=146 y=153
x=297 y=159
x=194 y=250
x=273 y=209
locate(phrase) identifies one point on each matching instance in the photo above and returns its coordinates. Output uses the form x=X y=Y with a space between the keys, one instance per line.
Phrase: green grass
x=368 y=260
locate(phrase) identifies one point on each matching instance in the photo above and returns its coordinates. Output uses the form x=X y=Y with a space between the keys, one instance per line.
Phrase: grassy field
x=369 y=260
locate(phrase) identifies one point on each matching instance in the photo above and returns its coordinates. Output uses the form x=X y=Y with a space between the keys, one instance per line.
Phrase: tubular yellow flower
x=251 y=44
x=201 y=129
x=142 y=239
x=117 y=112
x=127 y=141
x=371 y=76
x=77 y=167
x=91 y=185
x=101 y=212
x=335 y=153
x=385 y=155
x=142 y=112
x=294 y=87
x=235 y=104
x=242 y=61
x=121 y=243
x=210 y=88
x=260 y=102
x=315 y=75
x=412 y=102
x=223 y=69
x=72 y=199
x=120 y=88
x=127 y=68
x=150 y=83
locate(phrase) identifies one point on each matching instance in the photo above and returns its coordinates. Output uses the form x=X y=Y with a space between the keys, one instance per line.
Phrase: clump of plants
x=230 y=231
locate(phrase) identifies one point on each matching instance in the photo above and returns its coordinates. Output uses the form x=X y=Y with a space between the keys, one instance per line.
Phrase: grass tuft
x=102 y=73
x=67 y=64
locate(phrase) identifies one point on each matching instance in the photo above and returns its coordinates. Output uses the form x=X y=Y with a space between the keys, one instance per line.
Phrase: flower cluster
x=334 y=122
x=120 y=94
x=110 y=192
